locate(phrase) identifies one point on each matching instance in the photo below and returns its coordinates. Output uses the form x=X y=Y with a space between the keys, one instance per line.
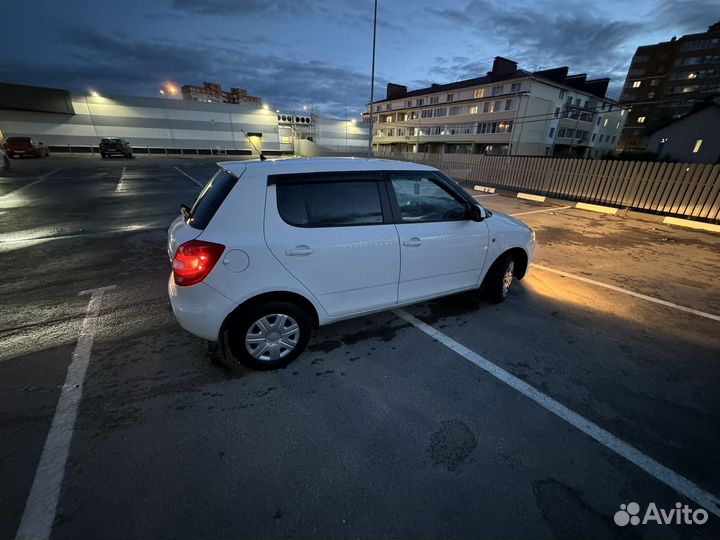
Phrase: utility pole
x=372 y=83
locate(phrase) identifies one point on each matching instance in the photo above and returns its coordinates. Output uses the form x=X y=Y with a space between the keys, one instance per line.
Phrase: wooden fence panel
x=680 y=189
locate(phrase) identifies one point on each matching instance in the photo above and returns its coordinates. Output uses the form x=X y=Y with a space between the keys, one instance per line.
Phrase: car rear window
x=18 y=139
x=110 y=140
x=210 y=198
x=330 y=204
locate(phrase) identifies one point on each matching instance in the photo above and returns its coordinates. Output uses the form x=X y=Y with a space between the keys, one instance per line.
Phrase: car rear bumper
x=199 y=309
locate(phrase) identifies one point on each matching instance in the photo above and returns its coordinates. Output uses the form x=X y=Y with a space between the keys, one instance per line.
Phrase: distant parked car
x=25 y=146
x=113 y=145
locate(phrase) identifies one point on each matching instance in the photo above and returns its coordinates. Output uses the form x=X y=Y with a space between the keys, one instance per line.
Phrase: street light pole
x=372 y=83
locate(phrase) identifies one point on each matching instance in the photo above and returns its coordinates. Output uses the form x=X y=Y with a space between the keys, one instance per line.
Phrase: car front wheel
x=268 y=336
x=499 y=279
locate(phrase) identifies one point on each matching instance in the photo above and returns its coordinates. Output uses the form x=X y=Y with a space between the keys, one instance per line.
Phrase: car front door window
x=422 y=200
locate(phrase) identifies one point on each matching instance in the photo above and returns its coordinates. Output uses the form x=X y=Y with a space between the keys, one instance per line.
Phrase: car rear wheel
x=498 y=281
x=268 y=336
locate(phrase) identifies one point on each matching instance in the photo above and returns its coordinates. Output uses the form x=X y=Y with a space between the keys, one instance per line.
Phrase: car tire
x=261 y=337
x=498 y=281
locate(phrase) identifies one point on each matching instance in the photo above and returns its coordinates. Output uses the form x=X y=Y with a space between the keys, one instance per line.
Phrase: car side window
x=421 y=199
x=330 y=204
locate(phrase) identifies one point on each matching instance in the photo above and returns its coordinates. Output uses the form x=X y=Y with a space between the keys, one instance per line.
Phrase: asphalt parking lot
x=393 y=425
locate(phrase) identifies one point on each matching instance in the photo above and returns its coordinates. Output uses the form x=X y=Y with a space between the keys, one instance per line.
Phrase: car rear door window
x=422 y=199
x=210 y=198
x=330 y=204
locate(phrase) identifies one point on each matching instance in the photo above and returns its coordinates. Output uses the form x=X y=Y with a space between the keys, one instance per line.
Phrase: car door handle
x=299 y=251
x=412 y=242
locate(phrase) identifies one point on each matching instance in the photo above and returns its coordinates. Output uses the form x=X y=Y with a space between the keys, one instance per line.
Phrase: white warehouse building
x=508 y=111
x=72 y=123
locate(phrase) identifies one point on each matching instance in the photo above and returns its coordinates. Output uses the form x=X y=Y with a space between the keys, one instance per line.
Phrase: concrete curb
x=531 y=197
x=609 y=210
x=698 y=225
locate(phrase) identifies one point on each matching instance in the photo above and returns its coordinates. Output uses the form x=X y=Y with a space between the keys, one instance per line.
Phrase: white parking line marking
x=488 y=195
x=631 y=293
x=657 y=470
x=39 y=179
x=541 y=211
x=39 y=514
x=120 y=182
x=190 y=177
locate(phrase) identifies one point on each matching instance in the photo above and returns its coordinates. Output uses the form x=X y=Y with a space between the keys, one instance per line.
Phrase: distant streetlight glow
x=265 y=106
x=93 y=93
x=171 y=89
x=162 y=91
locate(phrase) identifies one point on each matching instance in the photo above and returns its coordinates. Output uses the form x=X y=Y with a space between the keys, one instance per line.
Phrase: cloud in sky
x=299 y=52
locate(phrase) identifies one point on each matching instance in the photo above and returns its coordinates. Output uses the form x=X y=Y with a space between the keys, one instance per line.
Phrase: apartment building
x=667 y=80
x=508 y=111
x=213 y=93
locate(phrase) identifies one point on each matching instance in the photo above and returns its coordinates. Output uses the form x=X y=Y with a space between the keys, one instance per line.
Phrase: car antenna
x=262 y=156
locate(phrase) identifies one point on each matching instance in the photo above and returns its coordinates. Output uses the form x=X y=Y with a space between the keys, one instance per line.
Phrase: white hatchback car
x=270 y=249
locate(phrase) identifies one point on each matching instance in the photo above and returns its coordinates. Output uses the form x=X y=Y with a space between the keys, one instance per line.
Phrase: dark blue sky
x=302 y=52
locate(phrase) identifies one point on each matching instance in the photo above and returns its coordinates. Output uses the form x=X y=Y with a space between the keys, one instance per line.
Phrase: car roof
x=324 y=164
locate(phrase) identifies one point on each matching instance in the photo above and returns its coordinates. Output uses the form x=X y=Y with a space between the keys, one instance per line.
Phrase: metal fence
x=676 y=189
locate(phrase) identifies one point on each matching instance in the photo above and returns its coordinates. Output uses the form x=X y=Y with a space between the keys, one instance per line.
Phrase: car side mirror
x=477 y=213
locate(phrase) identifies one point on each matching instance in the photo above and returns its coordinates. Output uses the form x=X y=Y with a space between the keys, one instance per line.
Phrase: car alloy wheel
x=508 y=277
x=272 y=337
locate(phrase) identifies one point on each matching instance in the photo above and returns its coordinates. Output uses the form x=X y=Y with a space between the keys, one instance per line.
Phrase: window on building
x=557 y=112
x=587 y=103
x=593 y=137
x=454 y=110
x=552 y=132
x=651 y=95
x=473 y=109
x=577 y=102
x=479 y=92
x=413 y=115
x=388 y=106
x=377 y=108
x=605 y=122
x=442 y=111
x=600 y=138
x=568 y=100
x=698 y=145
x=636 y=84
x=562 y=94
x=497 y=90
x=617 y=126
x=641 y=119
x=613 y=139
x=419 y=102
x=408 y=103
x=654 y=82
x=450 y=97
x=434 y=100
x=486 y=106
x=496 y=106
x=508 y=104
x=515 y=87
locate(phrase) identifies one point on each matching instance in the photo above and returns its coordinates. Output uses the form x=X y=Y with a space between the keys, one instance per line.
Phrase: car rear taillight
x=193 y=261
